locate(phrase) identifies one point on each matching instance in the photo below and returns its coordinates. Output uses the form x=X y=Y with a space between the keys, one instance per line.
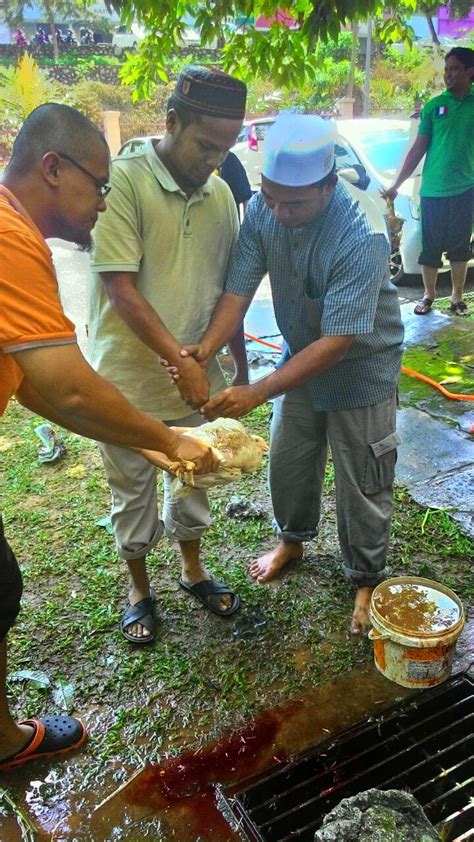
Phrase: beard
x=81 y=237
x=85 y=245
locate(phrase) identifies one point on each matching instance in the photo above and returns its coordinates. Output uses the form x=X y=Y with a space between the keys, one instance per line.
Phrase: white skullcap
x=299 y=150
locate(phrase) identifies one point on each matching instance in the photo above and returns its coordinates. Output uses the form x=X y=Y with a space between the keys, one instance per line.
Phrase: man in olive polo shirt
x=446 y=135
x=160 y=261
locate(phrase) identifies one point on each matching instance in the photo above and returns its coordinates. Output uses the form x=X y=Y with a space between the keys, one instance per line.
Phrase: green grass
x=199 y=678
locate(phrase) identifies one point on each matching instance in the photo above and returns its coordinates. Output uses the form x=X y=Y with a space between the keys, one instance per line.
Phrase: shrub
x=22 y=89
x=148 y=117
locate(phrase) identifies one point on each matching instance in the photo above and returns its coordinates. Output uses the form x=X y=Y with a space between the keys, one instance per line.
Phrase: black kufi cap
x=212 y=92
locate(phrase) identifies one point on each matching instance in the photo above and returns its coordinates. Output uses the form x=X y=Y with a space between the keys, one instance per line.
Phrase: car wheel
x=397 y=272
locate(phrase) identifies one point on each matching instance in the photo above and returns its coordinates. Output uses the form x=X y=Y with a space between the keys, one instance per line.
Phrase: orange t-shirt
x=31 y=314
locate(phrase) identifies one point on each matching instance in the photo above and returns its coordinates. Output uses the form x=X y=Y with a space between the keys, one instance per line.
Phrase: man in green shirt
x=446 y=136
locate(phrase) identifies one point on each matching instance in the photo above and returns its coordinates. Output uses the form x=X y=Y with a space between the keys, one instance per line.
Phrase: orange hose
x=451 y=395
x=262 y=342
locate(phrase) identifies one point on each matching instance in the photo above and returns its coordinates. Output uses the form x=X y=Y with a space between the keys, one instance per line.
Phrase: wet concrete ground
x=176 y=801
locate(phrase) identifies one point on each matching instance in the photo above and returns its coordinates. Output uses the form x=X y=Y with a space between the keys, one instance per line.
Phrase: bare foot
x=265 y=568
x=360 y=622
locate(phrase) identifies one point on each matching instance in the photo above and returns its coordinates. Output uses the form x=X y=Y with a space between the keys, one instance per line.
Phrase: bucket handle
x=376 y=635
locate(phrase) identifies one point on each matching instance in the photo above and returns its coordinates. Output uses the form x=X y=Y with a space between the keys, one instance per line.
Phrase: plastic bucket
x=416 y=623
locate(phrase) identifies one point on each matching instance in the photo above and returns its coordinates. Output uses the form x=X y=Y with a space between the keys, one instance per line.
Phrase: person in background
x=233 y=173
x=55 y=186
x=445 y=135
x=337 y=382
x=160 y=261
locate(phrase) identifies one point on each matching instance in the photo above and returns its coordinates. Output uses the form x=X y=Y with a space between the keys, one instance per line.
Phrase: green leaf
x=39 y=678
x=63 y=694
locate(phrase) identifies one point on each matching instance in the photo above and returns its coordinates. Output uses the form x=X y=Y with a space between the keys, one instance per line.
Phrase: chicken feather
x=238 y=451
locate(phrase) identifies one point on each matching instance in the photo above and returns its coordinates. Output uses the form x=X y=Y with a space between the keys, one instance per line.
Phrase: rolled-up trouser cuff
x=294 y=537
x=364 y=579
x=143 y=549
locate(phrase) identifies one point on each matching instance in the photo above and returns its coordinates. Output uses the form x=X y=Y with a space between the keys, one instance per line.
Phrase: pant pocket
x=380 y=464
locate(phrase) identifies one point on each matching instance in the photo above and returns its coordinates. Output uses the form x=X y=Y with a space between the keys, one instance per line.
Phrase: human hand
x=232 y=403
x=192 y=383
x=187 y=456
x=389 y=194
x=197 y=352
x=204 y=457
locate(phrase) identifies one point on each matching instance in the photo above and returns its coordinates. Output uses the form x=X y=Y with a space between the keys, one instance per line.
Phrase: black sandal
x=142 y=612
x=423 y=307
x=459 y=309
x=208 y=588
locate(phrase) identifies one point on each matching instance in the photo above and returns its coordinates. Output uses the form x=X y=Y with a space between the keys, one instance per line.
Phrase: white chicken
x=239 y=452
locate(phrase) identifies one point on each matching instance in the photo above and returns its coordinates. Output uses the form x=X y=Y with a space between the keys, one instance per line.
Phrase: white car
x=135 y=144
x=127 y=39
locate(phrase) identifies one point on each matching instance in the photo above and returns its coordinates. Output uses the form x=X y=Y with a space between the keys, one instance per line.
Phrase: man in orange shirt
x=55 y=186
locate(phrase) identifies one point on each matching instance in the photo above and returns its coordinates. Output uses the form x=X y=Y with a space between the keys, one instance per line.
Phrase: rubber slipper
x=142 y=612
x=423 y=307
x=208 y=588
x=459 y=309
x=52 y=735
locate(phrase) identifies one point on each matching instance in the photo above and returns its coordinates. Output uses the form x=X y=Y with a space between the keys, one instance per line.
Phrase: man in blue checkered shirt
x=337 y=381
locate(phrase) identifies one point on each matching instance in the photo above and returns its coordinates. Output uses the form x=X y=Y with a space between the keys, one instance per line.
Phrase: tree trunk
x=354 y=49
x=434 y=34
x=52 y=26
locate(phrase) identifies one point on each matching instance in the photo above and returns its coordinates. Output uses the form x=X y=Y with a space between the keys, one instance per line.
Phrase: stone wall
x=14 y=52
x=102 y=49
x=68 y=75
x=109 y=74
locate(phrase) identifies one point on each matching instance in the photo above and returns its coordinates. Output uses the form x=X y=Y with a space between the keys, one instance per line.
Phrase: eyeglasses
x=103 y=190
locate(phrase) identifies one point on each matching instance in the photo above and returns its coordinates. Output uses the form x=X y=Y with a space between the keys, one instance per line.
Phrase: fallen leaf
x=38 y=677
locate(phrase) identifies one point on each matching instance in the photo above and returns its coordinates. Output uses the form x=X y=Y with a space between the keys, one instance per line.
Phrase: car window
x=243 y=134
x=385 y=149
x=344 y=155
x=261 y=129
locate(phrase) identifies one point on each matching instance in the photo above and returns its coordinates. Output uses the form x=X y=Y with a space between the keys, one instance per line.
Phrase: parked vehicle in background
x=135 y=144
x=125 y=39
x=86 y=36
x=40 y=38
x=249 y=147
x=19 y=38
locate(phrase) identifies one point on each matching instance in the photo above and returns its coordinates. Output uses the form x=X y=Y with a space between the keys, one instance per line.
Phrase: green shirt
x=180 y=248
x=449 y=163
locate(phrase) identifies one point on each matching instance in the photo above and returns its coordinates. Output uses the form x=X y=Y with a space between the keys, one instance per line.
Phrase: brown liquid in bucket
x=416 y=623
x=416 y=607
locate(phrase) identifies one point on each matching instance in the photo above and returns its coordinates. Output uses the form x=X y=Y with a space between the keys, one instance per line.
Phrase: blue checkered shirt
x=329 y=277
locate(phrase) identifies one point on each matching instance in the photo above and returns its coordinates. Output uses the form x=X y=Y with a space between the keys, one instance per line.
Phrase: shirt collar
x=18 y=207
x=164 y=177
x=450 y=94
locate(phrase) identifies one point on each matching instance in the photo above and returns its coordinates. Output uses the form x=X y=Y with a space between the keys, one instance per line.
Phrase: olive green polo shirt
x=180 y=248
x=449 y=163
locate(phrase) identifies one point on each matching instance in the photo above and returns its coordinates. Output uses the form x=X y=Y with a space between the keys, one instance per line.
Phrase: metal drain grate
x=424 y=745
